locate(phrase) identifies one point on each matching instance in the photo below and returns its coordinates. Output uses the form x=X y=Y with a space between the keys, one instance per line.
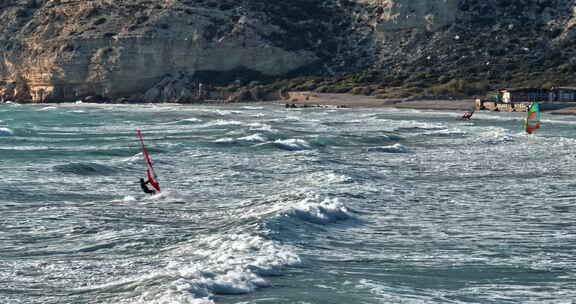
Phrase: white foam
x=187 y=120
x=26 y=148
x=326 y=178
x=396 y=148
x=293 y=144
x=164 y=195
x=218 y=264
x=192 y=119
x=223 y=112
x=322 y=210
x=225 y=140
x=253 y=138
x=494 y=135
x=134 y=159
x=446 y=132
x=128 y=198
x=221 y=122
x=171 y=296
x=265 y=128
x=6 y=132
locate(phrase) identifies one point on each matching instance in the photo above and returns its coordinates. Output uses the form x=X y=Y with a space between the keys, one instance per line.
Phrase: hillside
x=149 y=50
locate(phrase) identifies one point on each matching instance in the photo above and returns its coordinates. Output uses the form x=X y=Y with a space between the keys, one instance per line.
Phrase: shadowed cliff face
x=69 y=49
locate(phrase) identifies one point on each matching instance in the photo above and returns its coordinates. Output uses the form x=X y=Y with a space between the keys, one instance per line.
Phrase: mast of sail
x=152 y=177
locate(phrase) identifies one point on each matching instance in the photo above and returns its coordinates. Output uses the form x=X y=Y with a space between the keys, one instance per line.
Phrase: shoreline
x=343 y=100
x=334 y=100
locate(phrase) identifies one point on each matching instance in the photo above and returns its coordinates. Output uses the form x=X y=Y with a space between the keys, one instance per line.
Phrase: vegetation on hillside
x=492 y=44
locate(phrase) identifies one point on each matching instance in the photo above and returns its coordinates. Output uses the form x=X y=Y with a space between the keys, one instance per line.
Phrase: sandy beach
x=343 y=100
x=313 y=99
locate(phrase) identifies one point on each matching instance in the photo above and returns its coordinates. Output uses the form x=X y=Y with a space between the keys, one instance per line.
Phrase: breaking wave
x=396 y=148
x=6 y=132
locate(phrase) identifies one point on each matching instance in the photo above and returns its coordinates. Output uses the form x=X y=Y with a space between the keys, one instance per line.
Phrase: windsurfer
x=468 y=114
x=145 y=188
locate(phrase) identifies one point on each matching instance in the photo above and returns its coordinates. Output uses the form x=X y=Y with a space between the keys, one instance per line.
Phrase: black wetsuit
x=145 y=188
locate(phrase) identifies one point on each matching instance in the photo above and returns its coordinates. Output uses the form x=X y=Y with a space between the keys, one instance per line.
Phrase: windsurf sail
x=533 y=118
x=150 y=173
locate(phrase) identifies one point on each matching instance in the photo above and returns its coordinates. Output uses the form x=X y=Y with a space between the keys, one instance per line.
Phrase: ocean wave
x=250 y=139
x=187 y=121
x=265 y=128
x=226 y=140
x=262 y=127
x=384 y=138
x=416 y=127
x=6 y=132
x=225 y=264
x=324 y=140
x=342 y=123
x=445 y=133
x=253 y=138
x=220 y=123
x=495 y=136
x=292 y=144
x=221 y=112
x=85 y=169
x=327 y=178
x=286 y=144
x=396 y=148
x=253 y=107
x=318 y=210
x=498 y=140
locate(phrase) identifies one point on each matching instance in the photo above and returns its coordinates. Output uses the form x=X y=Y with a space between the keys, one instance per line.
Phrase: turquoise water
x=267 y=205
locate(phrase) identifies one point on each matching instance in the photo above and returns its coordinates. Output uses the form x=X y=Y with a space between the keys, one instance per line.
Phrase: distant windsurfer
x=143 y=185
x=533 y=118
x=467 y=115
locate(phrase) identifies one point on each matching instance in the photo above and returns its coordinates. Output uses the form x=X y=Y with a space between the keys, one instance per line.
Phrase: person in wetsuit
x=145 y=188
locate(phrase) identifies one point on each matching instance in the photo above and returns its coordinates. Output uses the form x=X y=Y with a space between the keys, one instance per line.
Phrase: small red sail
x=151 y=175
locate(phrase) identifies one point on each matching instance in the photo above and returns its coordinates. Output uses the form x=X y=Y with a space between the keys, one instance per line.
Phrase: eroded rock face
x=69 y=49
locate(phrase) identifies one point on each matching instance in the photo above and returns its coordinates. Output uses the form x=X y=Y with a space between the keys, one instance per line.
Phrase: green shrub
x=459 y=87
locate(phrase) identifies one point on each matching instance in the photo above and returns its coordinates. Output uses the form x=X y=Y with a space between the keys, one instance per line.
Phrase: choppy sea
x=263 y=204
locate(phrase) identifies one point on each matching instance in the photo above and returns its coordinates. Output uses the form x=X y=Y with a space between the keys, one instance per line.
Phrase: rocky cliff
x=165 y=50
